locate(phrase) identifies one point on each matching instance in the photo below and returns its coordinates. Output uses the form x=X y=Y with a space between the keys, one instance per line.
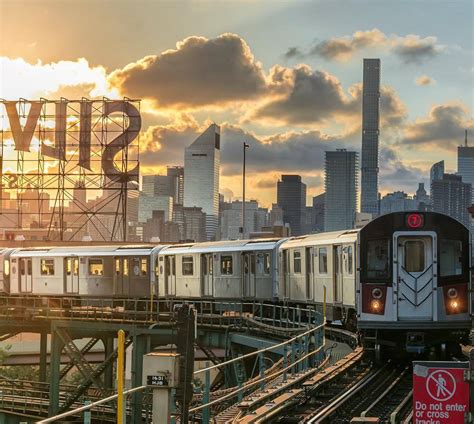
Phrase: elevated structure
x=370 y=137
x=201 y=177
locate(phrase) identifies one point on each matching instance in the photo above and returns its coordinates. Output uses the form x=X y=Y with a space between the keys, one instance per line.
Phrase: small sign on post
x=440 y=392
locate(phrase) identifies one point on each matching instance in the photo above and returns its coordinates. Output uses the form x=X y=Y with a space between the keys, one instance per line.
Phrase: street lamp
x=244 y=147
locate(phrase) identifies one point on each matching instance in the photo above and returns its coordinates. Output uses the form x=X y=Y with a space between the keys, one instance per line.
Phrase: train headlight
x=375 y=305
x=377 y=293
x=454 y=305
x=452 y=293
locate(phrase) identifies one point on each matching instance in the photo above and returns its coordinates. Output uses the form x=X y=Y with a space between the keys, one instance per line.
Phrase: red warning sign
x=440 y=394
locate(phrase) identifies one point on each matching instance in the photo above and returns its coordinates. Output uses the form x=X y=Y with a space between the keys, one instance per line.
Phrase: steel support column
x=55 y=369
x=109 y=370
x=139 y=350
x=43 y=357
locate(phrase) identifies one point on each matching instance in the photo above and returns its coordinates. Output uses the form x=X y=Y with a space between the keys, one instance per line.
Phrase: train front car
x=414 y=282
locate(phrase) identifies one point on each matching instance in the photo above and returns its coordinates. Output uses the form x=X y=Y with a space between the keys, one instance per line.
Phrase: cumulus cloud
x=198 y=72
x=443 y=127
x=286 y=152
x=410 y=48
x=307 y=97
x=394 y=172
x=424 y=80
x=31 y=81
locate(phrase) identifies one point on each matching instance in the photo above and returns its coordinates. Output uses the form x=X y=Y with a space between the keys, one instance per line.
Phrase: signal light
x=414 y=220
x=375 y=305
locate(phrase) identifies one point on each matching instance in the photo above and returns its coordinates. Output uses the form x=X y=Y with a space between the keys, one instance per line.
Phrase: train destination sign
x=440 y=394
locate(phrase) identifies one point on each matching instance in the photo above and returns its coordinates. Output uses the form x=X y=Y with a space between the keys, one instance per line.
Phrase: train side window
x=414 y=255
x=226 y=265
x=96 y=267
x=117 y=266
x=450 y=258
x=6 y=267
x=144 y=266
x=47 y=266
x=136 y=266
x=22 y=267
x=297 y=262
x=266 y=263
x=187 y=263
x=323 y=260
x=349 y=260
x=378 y=265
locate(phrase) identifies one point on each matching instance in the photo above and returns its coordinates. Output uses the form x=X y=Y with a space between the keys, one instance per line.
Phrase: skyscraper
x=466 y=164
x=370 y=137
x=176 y=175
x=436 y=173
x=341 y=190
x=451 y=196
x=291 y=197
x=202 y=161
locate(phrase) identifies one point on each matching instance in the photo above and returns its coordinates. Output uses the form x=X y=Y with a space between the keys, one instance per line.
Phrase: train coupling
x=415 y=342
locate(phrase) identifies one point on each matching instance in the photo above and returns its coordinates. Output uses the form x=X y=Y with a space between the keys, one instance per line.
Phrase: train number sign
x=157 y=380
x=440 y=394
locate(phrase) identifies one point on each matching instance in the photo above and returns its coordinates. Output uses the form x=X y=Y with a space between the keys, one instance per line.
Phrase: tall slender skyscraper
x=341 y=190
x=202 y=160
x=370 y=137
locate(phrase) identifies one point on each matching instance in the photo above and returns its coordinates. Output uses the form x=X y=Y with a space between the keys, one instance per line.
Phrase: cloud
x=414 y=49
x=424 y=80
x=284 y=152
x=199 y=72
x=307 y=97
x=397 y=173
x=19 y=78
x=410 y=48
x=443 y=127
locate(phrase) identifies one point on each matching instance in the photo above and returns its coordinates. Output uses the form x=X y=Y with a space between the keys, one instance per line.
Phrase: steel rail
x=384 y=393
x=266 y=349
x=341 y=399
x=275 y=374
x=90 y=406
x=394 y=418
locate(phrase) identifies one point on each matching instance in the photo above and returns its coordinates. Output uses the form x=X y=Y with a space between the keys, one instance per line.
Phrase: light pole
x=244 y=147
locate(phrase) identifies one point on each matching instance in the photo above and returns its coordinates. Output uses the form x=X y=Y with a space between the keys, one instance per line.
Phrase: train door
x=122 y=276
x=170 y=275
x=248 y=274
x=26 y=277
x=71 y=275
x=415 y=277
x=338 y=273
x=207 y=275
x=286 y=274
x=309 y=272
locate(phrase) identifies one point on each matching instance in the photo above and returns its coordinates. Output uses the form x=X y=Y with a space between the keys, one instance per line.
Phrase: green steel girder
x=255 y=342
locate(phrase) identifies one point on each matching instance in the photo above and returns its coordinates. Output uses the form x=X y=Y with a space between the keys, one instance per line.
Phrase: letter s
x=121 y=142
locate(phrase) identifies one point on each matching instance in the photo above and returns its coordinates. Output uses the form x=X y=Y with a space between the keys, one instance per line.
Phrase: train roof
x=225 y=246
x=87 y=251
x=332 y=237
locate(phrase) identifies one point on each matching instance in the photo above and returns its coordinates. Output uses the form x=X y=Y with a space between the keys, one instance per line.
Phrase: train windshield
x=450 y=258
x=378 y=265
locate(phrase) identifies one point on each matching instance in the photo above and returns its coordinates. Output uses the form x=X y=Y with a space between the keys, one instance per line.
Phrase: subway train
x=402 y=280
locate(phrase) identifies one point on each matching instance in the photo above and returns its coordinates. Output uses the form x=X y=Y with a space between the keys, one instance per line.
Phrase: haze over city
x=285 y=77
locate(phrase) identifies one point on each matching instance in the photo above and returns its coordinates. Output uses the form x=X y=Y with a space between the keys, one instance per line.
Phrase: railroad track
x=383 y=392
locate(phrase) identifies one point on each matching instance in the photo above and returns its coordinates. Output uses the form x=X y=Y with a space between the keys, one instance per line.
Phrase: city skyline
x=291 y=100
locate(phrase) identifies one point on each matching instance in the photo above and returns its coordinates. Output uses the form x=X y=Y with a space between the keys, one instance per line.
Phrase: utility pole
x=245 y=146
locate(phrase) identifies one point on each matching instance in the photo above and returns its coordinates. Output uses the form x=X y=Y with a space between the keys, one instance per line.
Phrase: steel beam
x=43 y=357
x=255 y=342
x=139 y=350
x=55 y=368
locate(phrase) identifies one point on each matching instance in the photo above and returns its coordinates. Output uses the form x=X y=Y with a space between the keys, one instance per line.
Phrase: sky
x=283 y=76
